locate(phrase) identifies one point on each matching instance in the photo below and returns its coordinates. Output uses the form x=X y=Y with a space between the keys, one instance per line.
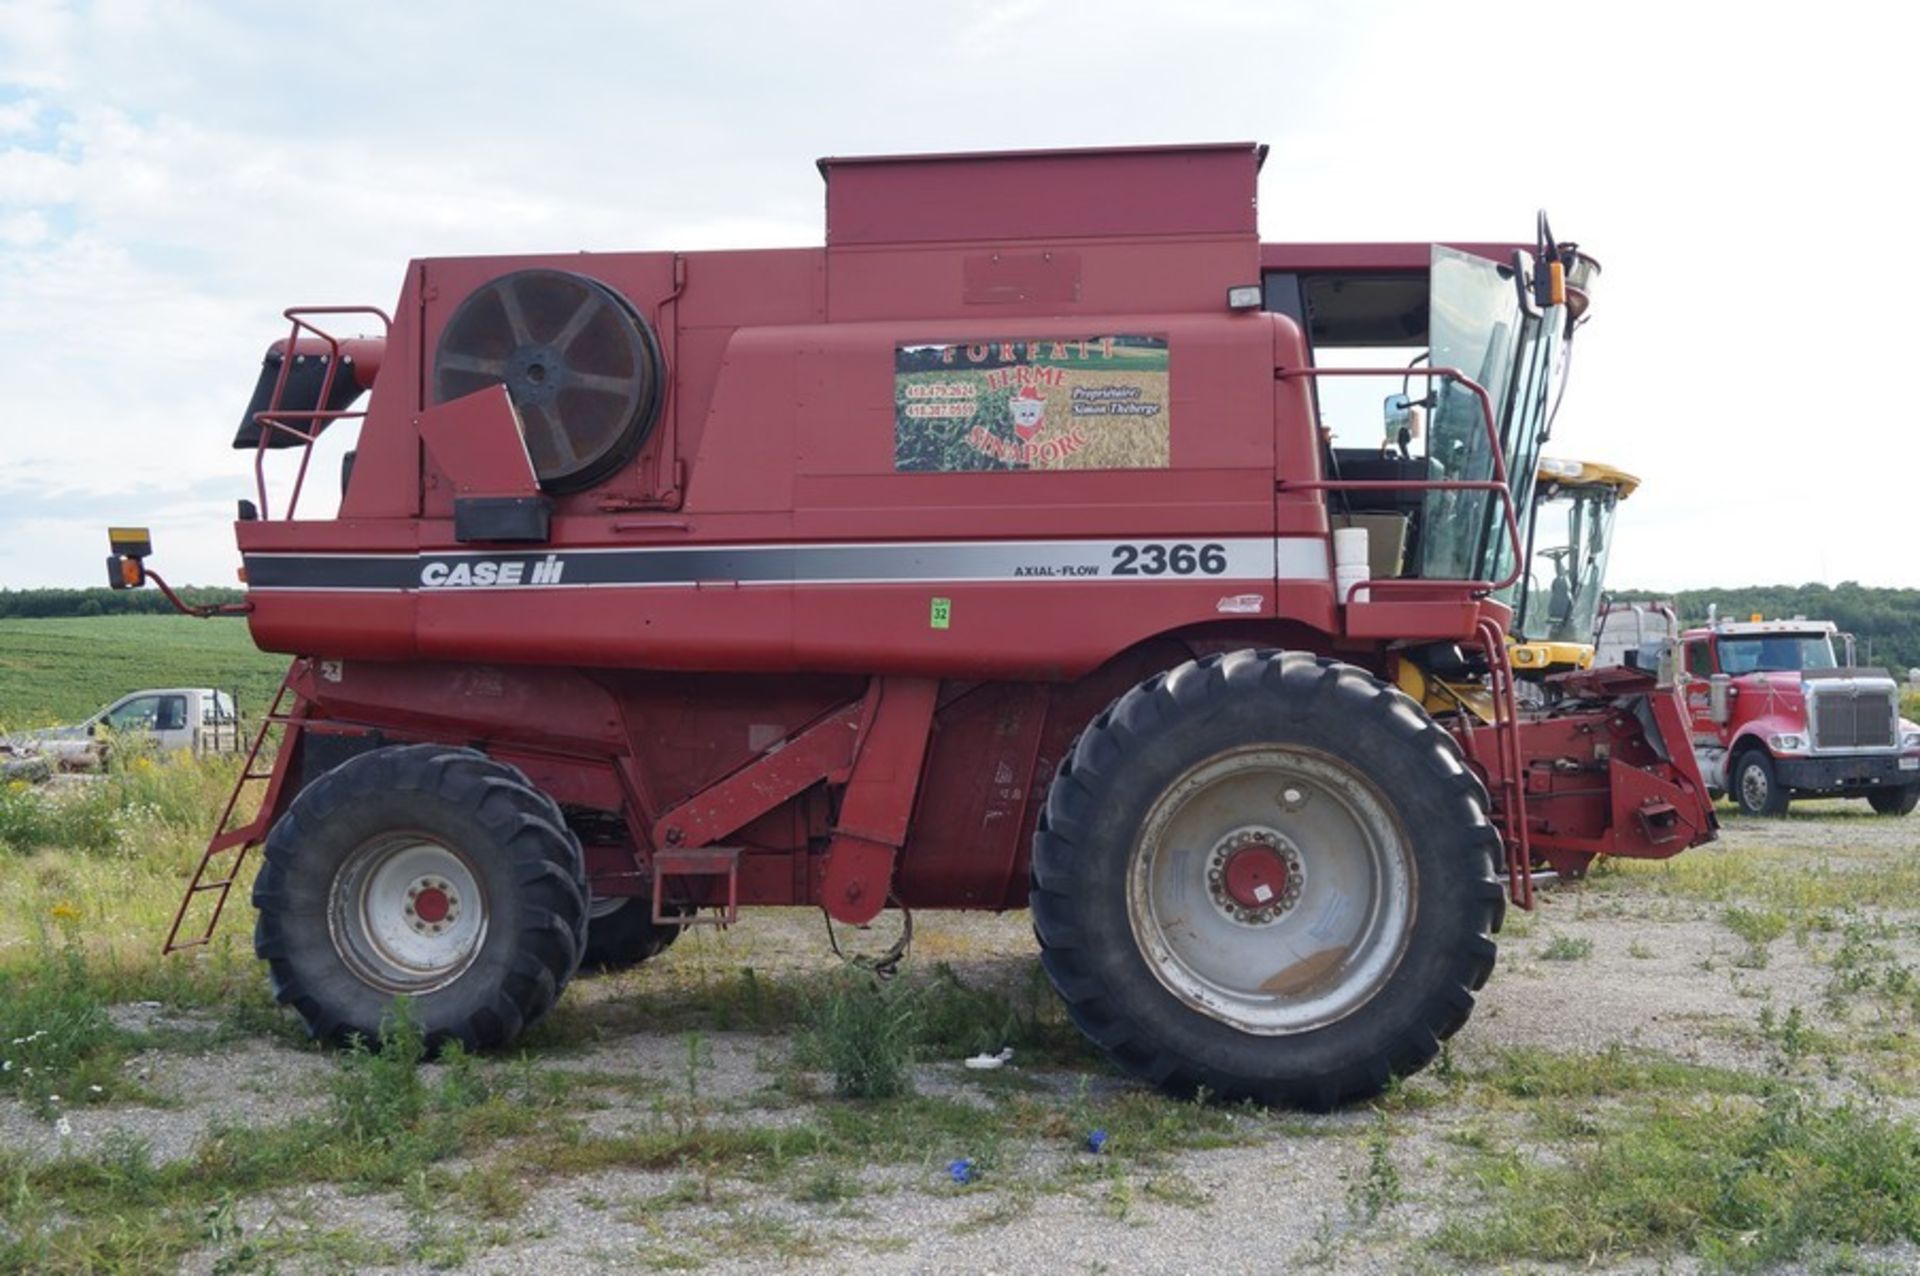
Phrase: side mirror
x=1397 y=415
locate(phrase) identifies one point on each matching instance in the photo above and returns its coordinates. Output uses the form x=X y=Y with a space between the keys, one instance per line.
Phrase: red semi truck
x=1775 y=716
x=986 y=557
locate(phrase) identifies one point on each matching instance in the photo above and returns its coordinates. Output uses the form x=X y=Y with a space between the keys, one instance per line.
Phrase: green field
x=62 y=670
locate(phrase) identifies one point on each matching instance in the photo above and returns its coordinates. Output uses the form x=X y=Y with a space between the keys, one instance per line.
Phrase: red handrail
x=1498 y=483
x=273 y=418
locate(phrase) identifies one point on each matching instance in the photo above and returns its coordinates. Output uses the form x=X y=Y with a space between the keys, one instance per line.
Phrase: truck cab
x=200 y=719
x=1775 y=716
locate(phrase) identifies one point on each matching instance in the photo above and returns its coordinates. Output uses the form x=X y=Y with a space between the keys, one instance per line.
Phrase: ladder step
x=705 y=861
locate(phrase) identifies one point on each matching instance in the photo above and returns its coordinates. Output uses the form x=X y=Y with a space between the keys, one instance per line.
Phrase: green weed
x=1377 y=1187
x=1530 y=1073
x=1734 y=1183
x=863 y=1032
x=1567 y=948
x=1759 y=928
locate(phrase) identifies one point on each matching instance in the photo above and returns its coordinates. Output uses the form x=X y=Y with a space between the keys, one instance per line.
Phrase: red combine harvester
x=992 y=556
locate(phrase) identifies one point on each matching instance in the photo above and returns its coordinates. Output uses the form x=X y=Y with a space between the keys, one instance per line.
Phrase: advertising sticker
x=1098 y=403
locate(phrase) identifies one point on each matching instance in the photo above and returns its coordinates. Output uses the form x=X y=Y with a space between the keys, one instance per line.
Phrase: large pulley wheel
x=1269 y=877
x=427 y=872
x=581 y=365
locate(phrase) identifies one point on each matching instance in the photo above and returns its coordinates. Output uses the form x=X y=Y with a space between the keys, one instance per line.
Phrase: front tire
x=1756 y=784
x=428 y=872
x=1899 y=801
x=1268 y=876
x=621 y=933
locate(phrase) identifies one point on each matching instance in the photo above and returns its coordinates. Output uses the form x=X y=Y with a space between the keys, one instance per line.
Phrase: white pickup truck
x=198 y=718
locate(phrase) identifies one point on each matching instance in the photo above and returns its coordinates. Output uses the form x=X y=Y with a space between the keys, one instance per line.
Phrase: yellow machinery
x=1557 y=601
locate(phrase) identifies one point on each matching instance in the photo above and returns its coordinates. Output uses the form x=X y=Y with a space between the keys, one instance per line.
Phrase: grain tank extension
x=983 y=558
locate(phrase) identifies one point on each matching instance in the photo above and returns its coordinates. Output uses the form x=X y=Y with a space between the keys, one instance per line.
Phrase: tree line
x=1884 y=622
x=42 y=604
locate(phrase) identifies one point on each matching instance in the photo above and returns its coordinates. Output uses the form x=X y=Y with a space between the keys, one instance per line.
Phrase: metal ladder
x=227 y=837
x=1514 y=832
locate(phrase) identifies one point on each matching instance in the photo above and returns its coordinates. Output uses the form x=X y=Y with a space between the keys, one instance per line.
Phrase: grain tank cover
x=1145 y=191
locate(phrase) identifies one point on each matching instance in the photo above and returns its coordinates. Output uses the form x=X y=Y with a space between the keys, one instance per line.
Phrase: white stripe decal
x=1225 y=559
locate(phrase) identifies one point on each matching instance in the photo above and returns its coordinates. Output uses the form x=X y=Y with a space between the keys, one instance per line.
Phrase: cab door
x=1697 y=668
x=171 y=726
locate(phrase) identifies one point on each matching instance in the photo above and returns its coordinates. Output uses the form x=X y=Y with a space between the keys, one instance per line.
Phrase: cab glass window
x=137 y=714
x=1699 y=662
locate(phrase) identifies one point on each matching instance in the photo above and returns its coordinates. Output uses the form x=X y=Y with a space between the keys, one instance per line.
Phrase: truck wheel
x=621 y=932
x=424 y=871
x=1756 y=785
x=1268 y=876
x=1895 y=801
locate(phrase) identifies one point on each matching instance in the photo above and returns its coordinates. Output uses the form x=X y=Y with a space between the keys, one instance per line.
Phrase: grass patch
x=1759 y=927
x=1567 y=948
x=1376 y=1187
x=1529 y=1073
x=142 y=798
x=389 y=1122
x=58 y=1048
x=1734 y=1183
x=1799 y=882
x=865 y=1034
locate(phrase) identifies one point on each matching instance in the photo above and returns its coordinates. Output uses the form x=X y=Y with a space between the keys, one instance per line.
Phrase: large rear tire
x=428 y=872
x=1268 y=876
x=1895 y=801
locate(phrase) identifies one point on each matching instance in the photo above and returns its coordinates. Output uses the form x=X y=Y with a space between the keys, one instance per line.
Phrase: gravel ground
x=1663 y=972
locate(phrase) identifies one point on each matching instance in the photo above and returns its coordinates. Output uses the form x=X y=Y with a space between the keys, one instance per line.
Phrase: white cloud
x=172 y=175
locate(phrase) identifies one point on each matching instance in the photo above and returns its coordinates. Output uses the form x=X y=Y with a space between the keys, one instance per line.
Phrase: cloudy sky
x=173 y=174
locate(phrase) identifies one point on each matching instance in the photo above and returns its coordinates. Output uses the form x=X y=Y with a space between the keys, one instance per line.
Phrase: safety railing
x=1496 y=484
x=304 y=424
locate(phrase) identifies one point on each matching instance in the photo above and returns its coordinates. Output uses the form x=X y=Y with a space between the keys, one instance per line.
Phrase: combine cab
x=1568 y=537
x=990 y=557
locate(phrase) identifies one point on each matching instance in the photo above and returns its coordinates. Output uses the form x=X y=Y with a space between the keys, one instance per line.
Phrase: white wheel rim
x=1753 y=786
x=1331 y=905
x=407 y=914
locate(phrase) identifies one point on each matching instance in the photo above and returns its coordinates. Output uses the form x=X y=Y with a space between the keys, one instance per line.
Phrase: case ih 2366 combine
x=989 y=557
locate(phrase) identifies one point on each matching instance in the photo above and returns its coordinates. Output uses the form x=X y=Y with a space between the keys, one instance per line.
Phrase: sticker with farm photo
x=1094 y=403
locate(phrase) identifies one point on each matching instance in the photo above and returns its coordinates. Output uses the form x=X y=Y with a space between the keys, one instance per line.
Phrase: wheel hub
x=1310 y=833
x=432 y=905
x=407 y=914
x=1254 y=875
